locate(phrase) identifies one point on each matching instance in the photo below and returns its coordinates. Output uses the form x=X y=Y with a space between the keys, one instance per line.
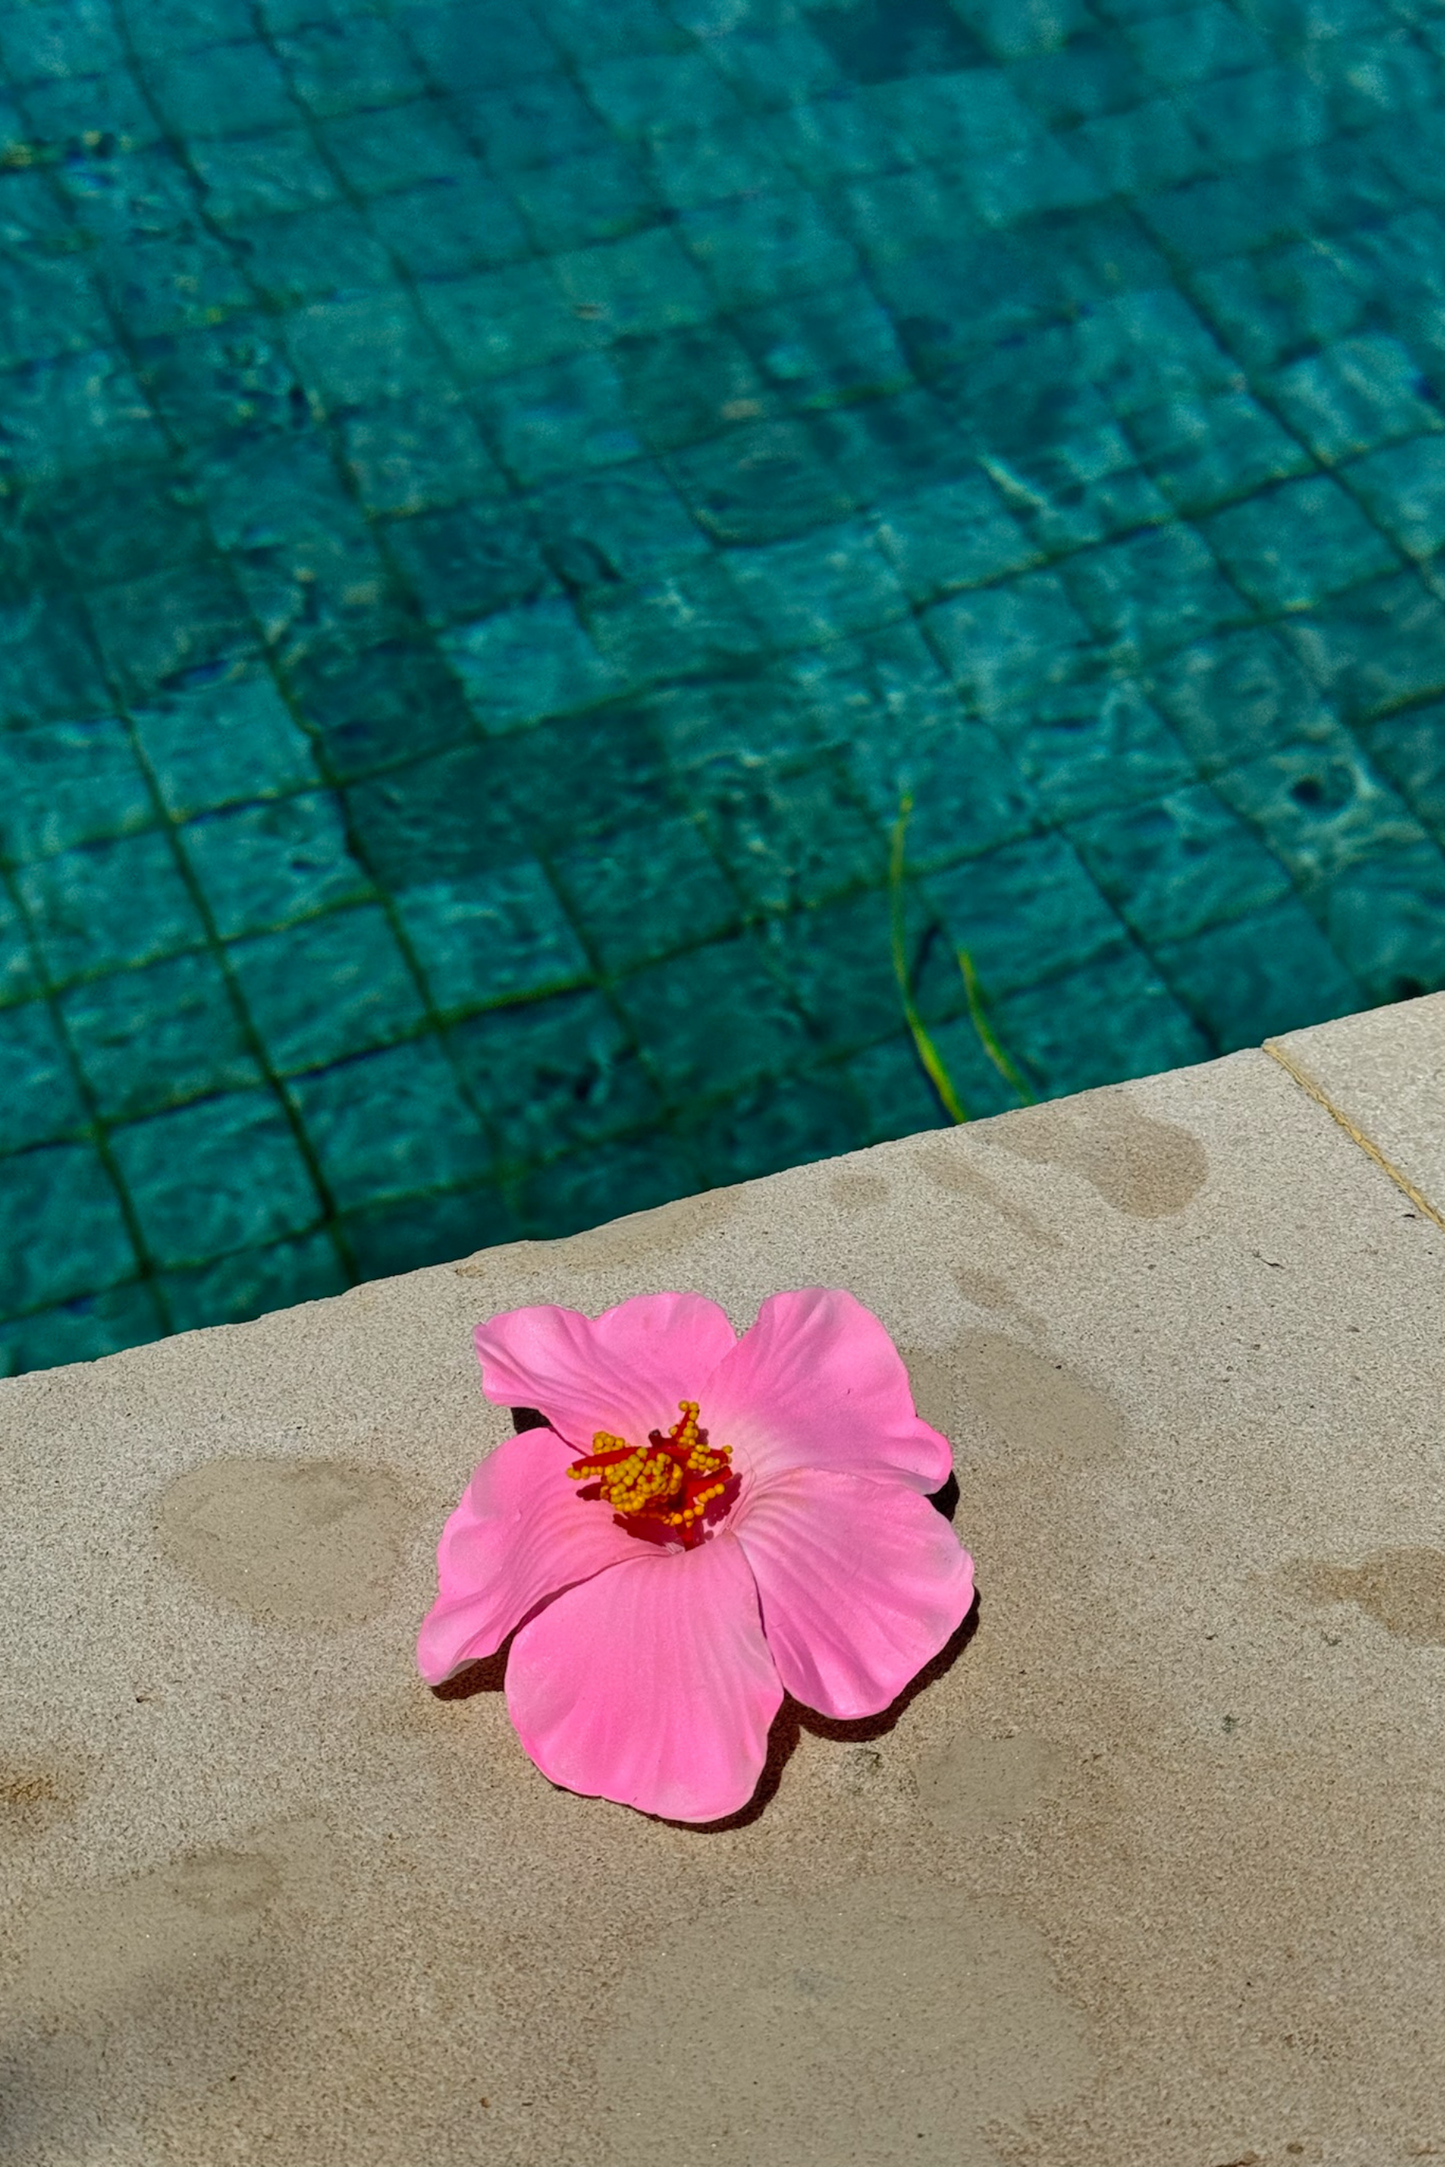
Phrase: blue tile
x=367 y=346
x=333 y=986
x=498 y=936
x=1357 y=396
x=755 y=247
x=223 y=737
x=597 y=197
x=62 y=1231
x=647 y=91
x=1320 y=808
x=418 y=452
x=67 y=783
x=222 y=1174
x=156 y=1037
x=836 y=582
x=968 y=794
x=223 y=90
x=1410 y=750
x=632 y=288
x=1403 y=489
x=393 y=1123
x=260 y=866
x=18 y=977
x=1102 y=1025
x=348 y=67
x=440 y=229
x=790 y=1122
x=1295 y=545
x=826 y=349
x=39 y=1103
x=1385 y=920
x=1025 y=913
x=108 y=905
x=82 y=1330
x=645 y=892
x=1204 y=451
x=1237 y=695
x=758 y=483
x=494 y=322
x=404 y=1237
x=565 y=415
x=714 y=1019
x=523 y=664
x=1378 y=647
x=1157 y=591
x=1094 y=745
x=276 y=1275
x=1258 y=976
x=793 y=840
x=554 y=1074
x=587 y=1188
x=1176 y=866
x=1006 y=644
x=624 y=523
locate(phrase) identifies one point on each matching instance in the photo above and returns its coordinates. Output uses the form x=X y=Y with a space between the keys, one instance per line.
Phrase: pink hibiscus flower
x=708 y=1522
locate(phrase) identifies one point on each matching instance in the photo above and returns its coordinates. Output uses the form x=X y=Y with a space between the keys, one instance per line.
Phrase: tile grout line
x=1371 y=1150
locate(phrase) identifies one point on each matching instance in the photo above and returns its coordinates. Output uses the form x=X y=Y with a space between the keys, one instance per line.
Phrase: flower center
x=667 y=1490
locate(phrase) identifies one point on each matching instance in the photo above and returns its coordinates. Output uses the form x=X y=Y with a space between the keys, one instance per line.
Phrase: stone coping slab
x=1148 y=1867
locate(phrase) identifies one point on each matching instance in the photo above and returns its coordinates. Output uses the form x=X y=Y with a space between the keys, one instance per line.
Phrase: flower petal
x=652 y=1684
x=860 y=1581
x=817 y=1382
x=520 y=1534
x=624 y=1371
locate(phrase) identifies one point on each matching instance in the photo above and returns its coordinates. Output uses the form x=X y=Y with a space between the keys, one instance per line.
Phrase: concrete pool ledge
x=1150 y=1869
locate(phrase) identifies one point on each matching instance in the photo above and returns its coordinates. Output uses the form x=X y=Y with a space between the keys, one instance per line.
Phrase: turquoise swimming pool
x=500 y=505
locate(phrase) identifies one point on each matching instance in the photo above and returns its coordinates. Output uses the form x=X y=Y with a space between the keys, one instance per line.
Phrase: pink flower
x=707 y=1523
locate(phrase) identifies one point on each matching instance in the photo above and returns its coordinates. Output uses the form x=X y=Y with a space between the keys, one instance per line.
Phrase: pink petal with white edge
x=652 y=1684
x=520 y=1534
x=624 y=1371
x=817 y=1382
x=861 y=1582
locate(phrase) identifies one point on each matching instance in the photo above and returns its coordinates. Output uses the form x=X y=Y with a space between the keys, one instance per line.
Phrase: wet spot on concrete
x=946 y=1163
x=1403 y=1590
x=854 y=1188
x=34 y=1794
x=984 y=1289
x=294 y=1542
x=1030 y=1400
x=1145 y=1167
x=971 y=1782
x=86 y=1950
x=835 y=2025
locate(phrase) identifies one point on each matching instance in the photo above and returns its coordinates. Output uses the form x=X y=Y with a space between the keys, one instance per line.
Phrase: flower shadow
x=792 y=1719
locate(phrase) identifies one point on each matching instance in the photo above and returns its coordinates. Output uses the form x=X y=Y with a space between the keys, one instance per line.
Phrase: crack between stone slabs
x=1371 y=1150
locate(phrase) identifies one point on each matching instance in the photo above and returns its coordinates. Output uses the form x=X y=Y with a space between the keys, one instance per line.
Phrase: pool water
x=501 y=504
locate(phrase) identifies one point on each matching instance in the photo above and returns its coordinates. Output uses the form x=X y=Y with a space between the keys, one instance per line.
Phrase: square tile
x=19 y=979
x=1174 y=867
x=646 y=890
x=1009 y=643
x=1294 y=546
x=1356 y=396
x=958 y=534
x=1403 y=489
x=793 y=840
x=526 y=663
x=438 y=819
x=261 y=866
x=759 y=482
x=790 y=1122
x=1093 y=745
x=158 y=1036
x=417 y=453
x=365 y=347
x=1259 y=976
x=1410 y=749
x=62 y=1231
x=251 y=1282
x=554 y=419
x=587 y=1188
x=170 y=623
x=1204 y=451
x=333 y=986
x=1114 y=1020
x=553 y=1074
x=756 y=247
x=1385 y=919
x=393 y=1123
x=836 y=582
x=714 y=1019
x=222 y=1174
x=1025 y=913
x=106 y=906
x=222 y=736
x=598 y=197
x=1236 y=695
x=387 y=1238
x=1375 y=648
x=443 y=228
x=221 y=90
x=39 y=1103
x=348 y=67
x=81 y=1330
x=380 y=707
x=632 y=288
x=497 y=936
x=495 y=322
x=1159 y=590
x=68 y=783
x=1320 y=807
